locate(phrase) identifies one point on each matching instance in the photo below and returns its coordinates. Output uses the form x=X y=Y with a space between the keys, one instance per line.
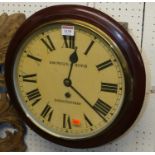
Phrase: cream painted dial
x=69 y=86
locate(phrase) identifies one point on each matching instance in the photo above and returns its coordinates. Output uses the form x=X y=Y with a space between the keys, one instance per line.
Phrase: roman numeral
x=69 y=41
x=87 y=121
x=33 y=58
x=48 y=43
x=89 y=47
x=109 y=87
x=104 y=65
x=66 y=121
x=30 y=78
x=47 y=112
x=34 y=95
x=102 y=107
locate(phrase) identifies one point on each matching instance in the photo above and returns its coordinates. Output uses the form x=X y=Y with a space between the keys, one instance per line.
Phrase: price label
x=67 y=30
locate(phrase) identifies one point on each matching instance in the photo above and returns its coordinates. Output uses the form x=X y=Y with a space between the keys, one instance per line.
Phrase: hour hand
x=73 y=59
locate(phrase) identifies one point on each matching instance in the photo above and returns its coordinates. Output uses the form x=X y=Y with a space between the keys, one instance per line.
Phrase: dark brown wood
x=130 y=110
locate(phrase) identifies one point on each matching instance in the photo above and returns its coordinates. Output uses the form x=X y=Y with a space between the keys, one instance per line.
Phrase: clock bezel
x=123 y=41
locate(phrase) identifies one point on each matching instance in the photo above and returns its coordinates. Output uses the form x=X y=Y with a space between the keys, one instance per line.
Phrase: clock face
x=70 y=86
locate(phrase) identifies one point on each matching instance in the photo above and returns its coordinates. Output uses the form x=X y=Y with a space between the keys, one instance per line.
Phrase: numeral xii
x=69 y=41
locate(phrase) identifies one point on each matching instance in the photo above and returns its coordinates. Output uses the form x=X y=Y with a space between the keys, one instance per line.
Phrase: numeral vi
x=66 y=121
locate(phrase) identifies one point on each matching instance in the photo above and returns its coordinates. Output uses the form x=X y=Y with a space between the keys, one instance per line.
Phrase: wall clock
x=75 y=76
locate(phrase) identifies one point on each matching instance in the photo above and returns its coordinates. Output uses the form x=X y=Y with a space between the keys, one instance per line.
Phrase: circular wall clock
x=75 y=76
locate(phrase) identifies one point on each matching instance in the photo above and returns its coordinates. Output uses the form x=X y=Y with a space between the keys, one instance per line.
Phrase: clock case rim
x=119 y=35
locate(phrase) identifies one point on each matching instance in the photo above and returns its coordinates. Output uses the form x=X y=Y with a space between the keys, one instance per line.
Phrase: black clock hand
x=73 y=59
x=77 y=92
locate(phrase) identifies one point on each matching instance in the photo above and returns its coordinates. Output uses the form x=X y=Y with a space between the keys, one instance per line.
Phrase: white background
x=141 y=25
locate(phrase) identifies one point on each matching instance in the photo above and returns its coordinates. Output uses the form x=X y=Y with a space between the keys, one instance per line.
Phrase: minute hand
x=75 y=90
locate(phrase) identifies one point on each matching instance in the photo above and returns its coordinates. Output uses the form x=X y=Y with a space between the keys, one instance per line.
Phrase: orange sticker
x=76 y=122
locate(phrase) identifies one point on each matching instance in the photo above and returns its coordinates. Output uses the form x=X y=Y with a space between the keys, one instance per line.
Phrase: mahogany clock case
x=119 y=35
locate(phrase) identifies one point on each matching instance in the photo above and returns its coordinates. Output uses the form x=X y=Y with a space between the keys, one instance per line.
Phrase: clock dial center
x=67 y=82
